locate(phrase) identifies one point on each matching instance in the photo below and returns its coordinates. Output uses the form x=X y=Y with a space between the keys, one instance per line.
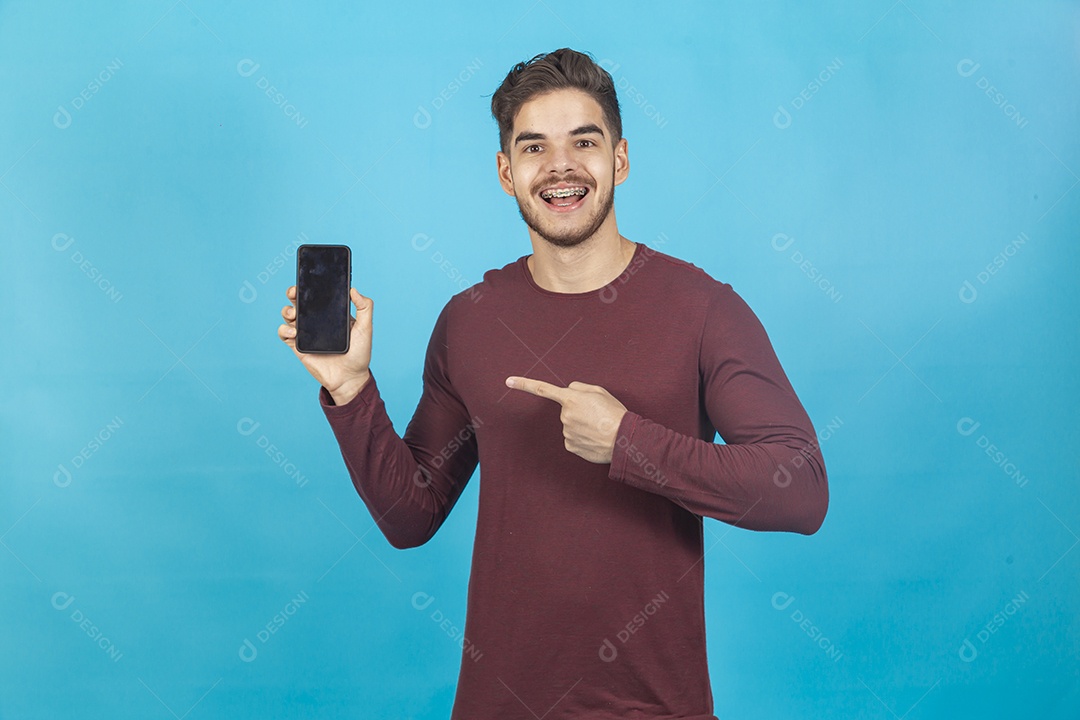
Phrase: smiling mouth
x=565 y=199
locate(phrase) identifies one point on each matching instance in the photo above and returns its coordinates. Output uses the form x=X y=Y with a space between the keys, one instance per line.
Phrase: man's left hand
x=590 y=415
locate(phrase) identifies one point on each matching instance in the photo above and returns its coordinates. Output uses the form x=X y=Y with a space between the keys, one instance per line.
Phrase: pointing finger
x=538 y=387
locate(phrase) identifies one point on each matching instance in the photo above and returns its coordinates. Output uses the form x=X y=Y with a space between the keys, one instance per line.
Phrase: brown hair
x=562 y=68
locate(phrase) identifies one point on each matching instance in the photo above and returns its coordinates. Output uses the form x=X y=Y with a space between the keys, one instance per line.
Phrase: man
x=588 y=382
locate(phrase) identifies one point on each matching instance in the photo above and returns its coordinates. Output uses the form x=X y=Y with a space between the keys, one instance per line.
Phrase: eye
x=589 y=141
x=530 y=146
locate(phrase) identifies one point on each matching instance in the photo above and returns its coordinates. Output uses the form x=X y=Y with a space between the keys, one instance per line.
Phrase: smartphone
x=323 y=279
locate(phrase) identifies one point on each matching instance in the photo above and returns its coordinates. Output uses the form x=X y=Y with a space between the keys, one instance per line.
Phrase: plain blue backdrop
x=890 y=185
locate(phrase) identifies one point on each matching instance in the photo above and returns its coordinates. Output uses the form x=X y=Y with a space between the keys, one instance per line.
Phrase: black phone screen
x=323 y=279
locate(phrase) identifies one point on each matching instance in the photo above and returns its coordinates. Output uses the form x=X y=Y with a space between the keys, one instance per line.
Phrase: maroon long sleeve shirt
x=586 y=594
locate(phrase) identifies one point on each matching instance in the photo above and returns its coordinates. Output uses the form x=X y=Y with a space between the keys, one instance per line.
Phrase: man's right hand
x=343 y=375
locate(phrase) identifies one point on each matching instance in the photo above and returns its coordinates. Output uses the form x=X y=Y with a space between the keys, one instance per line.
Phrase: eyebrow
x=583 y=130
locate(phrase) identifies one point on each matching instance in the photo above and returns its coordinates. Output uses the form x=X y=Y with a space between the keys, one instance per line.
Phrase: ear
x=622 y=160
x=506 y=178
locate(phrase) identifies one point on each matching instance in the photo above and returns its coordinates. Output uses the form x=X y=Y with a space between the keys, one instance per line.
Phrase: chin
x=560 y=234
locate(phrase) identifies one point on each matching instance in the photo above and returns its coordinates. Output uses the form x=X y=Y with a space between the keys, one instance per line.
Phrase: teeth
x=562 y=192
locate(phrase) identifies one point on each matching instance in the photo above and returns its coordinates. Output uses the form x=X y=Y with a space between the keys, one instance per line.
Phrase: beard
x=557 y=229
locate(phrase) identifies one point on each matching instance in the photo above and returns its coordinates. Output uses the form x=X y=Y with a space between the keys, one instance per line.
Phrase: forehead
x=558 y=111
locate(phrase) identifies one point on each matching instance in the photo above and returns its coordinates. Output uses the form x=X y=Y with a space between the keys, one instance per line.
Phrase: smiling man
x=588 y=381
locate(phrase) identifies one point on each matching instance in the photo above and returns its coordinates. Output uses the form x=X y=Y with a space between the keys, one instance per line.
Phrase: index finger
x=538 y=387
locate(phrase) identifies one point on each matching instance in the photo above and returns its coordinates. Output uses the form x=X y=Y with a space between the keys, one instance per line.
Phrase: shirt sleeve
x=770 y=474
x=409 y=484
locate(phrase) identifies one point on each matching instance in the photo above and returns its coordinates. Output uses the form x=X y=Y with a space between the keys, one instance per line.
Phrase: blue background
x=852 y=170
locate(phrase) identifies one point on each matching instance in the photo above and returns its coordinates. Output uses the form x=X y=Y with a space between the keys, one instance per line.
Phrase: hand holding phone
x=342 y=374
x=323 y=279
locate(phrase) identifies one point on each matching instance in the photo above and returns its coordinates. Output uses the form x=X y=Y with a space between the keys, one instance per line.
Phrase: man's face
x=560 y=139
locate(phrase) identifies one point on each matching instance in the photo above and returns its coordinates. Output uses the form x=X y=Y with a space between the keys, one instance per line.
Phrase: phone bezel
x=348 y=301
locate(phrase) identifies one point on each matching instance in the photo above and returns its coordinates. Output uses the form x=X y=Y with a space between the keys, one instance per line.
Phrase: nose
x=561 y=159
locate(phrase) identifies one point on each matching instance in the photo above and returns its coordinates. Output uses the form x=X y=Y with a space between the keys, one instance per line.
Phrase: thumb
x=361 y=302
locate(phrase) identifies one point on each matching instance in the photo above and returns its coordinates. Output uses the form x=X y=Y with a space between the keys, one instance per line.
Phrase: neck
x=585 y=267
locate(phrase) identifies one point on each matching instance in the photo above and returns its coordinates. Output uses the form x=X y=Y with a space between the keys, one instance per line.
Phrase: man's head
x=559 y=125
x=559 y=69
